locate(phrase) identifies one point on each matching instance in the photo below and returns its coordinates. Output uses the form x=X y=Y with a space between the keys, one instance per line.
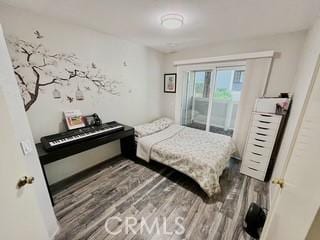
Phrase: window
x=211 y=102
x=202 y=84
x=223 y=82
x=237 y=80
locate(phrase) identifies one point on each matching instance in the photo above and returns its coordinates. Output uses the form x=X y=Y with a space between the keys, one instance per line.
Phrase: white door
x=20 y=215
x=299 y=199
x=25 y=213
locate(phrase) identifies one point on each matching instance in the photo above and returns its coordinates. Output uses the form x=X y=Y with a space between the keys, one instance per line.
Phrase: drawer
x=252 y=172
x=262 y=137
x=257 y=150
x=266 y=117
x=265 y=125
x=256 y=157
x=261 y=166
x=258 y=141
x=263 y=131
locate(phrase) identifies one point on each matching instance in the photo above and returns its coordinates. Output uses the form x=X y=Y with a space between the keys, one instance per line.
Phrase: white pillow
x=162 y=123
x=153 y=127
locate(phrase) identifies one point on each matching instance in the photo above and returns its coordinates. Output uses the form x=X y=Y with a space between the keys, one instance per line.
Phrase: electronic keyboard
x=72 y=136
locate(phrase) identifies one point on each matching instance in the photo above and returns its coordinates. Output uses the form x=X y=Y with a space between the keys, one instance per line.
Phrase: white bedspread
x=145 y=144
x=201 y=155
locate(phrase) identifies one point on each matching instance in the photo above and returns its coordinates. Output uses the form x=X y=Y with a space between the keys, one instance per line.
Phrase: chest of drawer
x=260 y=144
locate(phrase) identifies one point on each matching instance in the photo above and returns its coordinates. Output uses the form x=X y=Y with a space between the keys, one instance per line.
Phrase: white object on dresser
x=260 y=142
x=268 y=105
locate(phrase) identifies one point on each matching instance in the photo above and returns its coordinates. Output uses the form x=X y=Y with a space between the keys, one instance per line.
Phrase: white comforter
x=201 y=155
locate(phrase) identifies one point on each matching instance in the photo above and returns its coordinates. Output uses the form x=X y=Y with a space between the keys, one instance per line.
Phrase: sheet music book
x=74 y=119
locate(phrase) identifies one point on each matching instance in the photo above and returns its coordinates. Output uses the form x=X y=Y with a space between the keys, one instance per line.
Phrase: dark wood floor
x=125 y=188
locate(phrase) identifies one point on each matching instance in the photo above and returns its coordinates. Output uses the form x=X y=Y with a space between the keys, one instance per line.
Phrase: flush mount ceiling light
x=172 y=21
x=172 y=45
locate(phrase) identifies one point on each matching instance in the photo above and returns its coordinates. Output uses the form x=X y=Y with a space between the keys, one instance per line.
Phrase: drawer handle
x=260 y=140
x=264 y=128
x=264 y=122
x=256 y=153
x=254 y=161
x=261 y=134
x=258 y=145
x=265 y=115
x=253 y=169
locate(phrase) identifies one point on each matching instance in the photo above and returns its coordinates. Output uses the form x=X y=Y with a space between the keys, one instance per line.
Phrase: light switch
x=26 y=147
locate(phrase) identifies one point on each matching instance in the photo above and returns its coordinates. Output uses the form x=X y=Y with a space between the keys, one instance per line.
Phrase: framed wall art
x=170 y=82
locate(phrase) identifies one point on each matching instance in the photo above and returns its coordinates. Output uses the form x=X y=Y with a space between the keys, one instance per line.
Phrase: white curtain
x=255 y=84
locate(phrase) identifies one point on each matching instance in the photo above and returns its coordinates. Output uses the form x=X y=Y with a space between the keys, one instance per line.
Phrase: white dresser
x=260 y=143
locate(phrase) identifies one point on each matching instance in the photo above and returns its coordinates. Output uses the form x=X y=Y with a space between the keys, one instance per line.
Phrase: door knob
x=279 y=182
x=25 y=180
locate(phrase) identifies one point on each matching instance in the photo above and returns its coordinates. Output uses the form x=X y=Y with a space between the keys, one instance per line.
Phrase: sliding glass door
x=197 y=99
x=211 y=99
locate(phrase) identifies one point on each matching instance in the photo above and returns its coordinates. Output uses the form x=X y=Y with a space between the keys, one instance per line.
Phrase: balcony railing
x=223 y=112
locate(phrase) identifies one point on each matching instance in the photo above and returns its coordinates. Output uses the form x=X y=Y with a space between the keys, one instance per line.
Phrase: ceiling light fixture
x=172 y=21
x=172 y=45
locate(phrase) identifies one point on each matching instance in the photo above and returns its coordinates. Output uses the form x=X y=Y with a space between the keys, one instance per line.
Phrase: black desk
x=125 y=136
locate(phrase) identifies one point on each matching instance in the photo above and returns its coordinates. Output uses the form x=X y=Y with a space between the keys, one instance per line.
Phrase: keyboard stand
x=125 y=136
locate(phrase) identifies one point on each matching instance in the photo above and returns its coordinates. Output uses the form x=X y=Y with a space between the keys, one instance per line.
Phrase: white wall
x=306 y=68
x=283 y=72
x=140 y=90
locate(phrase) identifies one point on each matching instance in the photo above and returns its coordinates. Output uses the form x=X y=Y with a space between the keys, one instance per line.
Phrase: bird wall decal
x=38 y=35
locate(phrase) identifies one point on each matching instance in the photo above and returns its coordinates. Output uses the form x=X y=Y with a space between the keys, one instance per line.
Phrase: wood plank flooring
x=154 y=194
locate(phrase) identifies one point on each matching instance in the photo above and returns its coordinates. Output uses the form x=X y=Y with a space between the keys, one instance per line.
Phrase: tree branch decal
x=36 y=68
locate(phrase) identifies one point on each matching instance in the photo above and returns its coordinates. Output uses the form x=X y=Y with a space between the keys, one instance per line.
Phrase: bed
x=201 y=155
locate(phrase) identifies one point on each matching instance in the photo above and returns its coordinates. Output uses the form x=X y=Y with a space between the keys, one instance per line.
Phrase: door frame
x=211 y=95
x=284 y=167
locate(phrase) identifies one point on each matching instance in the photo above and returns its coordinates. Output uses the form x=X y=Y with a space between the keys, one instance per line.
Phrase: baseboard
x=270 y=196
x=55 y=232
x=58 y=186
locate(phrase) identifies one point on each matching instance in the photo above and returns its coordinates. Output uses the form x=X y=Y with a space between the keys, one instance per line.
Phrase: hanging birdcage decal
x=56 y=94
x=79 y=94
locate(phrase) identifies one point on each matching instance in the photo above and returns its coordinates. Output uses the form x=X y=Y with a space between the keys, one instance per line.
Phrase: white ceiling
x=206 y=21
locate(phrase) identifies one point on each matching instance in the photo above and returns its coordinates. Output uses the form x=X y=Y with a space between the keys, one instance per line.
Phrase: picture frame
x=170 y=82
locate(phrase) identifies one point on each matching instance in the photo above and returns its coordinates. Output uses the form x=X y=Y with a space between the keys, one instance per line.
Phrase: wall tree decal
x=37 y=68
